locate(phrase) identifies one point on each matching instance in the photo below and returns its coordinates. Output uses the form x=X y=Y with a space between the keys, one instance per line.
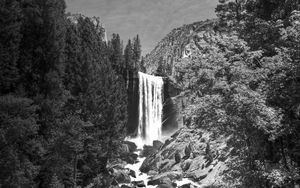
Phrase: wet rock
x=186 y=186
x=124 y=148
x=167 y=142
x=154 y=182
x=139 y=183
x=147 y=151
x=121 y=176
x=165 y=178
x=157 y=144
x=130 y=158
x=127 y=186
x=150 y=164
x=186 y=164
x=152 y=173
x=162 y=182
x=131 y=173
x=187 y=151
x=167 y=186
x=131 y=146
x=177 y=157
x=114 y=183
x=159 y=180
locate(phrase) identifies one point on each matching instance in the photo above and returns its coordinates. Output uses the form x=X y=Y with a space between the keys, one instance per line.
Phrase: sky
x=151 y=19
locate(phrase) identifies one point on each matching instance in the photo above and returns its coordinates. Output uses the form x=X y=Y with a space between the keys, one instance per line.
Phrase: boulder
x=127 y=186
x=186 y=164
x=162 y=182
x=167 y=186
x=167 y=142
x=187 y=150
x=152 y=173
x=177 y=157
x=159 y=180
x=130 y=158
x=131 y=146
x=121 y=176
x=165 y=178
x=148 y=150
x=139 y=183
x=157 y=144
x=114 y=183
x=186 y=186
x=131 y=173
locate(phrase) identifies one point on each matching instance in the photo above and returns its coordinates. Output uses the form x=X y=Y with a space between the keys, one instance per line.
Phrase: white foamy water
x=139 y=175
x=150 y=108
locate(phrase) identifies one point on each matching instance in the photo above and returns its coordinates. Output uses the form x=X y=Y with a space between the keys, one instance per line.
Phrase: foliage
x=10 y=36
x=62 y=102
x=245 y=86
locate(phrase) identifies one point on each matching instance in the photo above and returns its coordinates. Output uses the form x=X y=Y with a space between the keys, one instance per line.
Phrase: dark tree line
x=63 y=96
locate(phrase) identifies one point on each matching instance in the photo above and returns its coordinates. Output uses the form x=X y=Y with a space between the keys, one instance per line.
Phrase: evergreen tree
x=18 y=142
x=137 y=50
x=129 y=56
x=10 y=36
x=116 y=57
x=98 y=97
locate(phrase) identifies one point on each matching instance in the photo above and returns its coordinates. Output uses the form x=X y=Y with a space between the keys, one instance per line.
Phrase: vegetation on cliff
x=240 y=78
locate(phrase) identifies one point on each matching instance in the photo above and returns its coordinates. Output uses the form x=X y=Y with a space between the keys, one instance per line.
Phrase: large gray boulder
x=185 y=155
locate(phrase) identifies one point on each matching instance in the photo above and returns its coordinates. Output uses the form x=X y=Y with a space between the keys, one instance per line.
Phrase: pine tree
x=10 y=36
x=137 y=50
x=116 y=57
x=19 y=146
x=129 y=56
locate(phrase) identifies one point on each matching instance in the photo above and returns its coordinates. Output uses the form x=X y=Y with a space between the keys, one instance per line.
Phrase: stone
x=177 y=157
x=127 y=186
x=186 y=186
x=187 y=150
x=132 y=173
x=121 y=176
x=167 y=142
x=131 y=146
x=147 y=151
x=166 y=186
x=114 y=183
x=152 y=173
x=157 y=144
x=139 y=183
x=186 y=164
x=130 y=158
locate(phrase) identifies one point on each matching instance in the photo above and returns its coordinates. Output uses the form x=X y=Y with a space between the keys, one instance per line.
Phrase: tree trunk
x=283 y=154
x=75 y=171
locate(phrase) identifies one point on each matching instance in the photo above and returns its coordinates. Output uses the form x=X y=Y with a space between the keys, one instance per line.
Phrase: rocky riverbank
x=190 y=158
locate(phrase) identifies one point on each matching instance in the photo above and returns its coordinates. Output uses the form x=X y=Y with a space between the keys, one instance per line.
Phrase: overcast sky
x=151 y=19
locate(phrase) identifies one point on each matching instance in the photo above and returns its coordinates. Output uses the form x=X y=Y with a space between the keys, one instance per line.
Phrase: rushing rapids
x=150 y=108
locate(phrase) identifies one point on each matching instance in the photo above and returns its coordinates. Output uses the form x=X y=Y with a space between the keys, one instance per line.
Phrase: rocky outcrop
x=177 y=45
x=189 y=153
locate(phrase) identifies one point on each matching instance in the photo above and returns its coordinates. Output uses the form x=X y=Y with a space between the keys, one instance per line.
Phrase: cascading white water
x=150 y=108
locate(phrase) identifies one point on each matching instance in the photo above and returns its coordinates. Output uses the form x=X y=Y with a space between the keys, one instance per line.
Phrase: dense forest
x=246 y=85
x=64 y=100
x=63 y=96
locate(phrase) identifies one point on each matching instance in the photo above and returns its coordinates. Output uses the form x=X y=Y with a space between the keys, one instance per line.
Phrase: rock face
x=185 y=156
x=177 y=45
x=180 y=46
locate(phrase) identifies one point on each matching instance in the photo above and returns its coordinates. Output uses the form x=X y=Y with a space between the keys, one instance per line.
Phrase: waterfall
x=150 y=108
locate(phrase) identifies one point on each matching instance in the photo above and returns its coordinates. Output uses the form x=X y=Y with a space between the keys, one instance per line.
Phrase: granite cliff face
x=178 y=45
